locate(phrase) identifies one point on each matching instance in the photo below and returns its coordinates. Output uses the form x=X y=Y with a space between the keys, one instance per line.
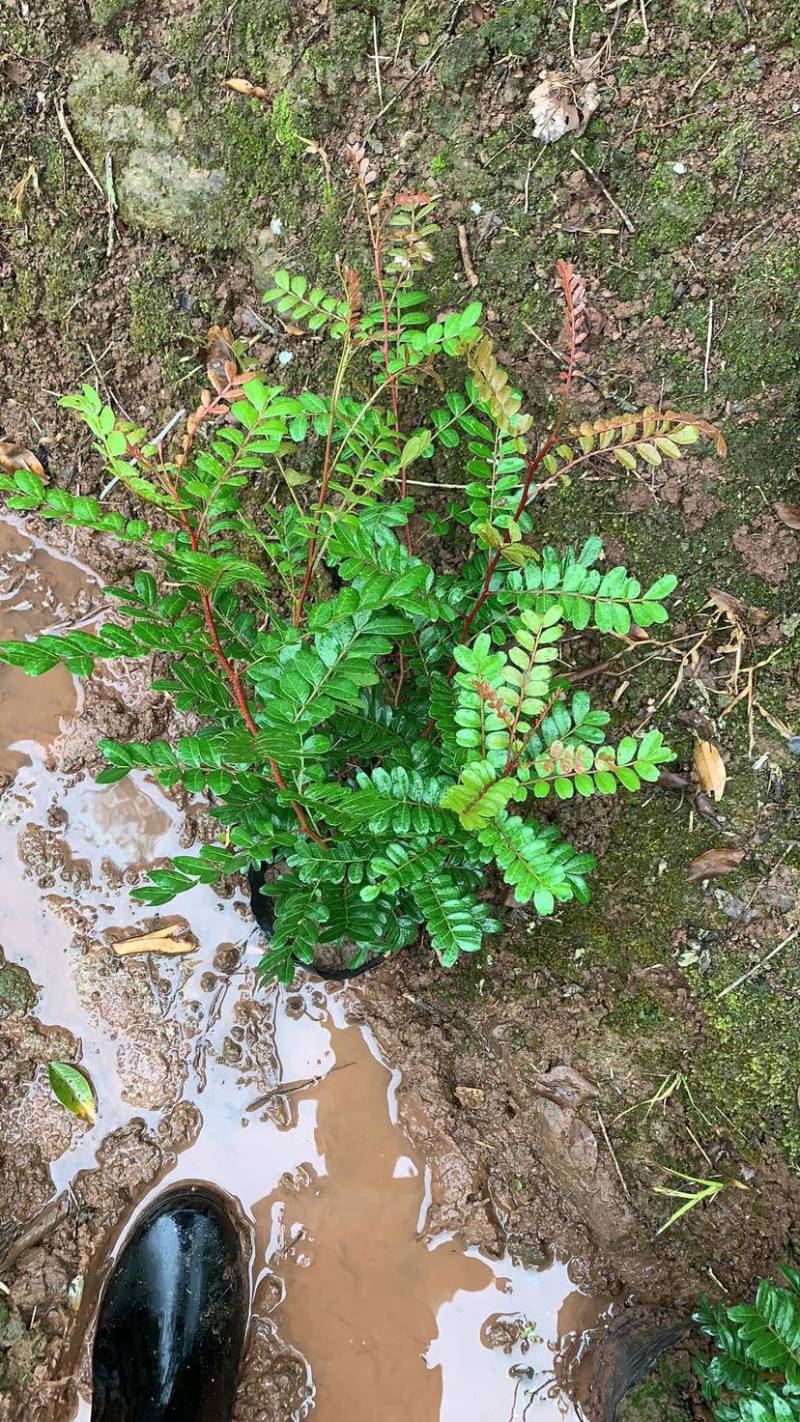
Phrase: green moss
x=18 y=301
x=760 y=341
x=590 y=20
x=106 y=14
x=676 y=208
x=287 y=135
x=255 y=41
x=751 y=1066
x=69 y=273
x=158 y=326
x=666 y=1395
x=516 y=28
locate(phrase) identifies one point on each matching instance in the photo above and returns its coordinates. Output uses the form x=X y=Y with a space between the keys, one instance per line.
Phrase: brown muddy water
x=294 y=1111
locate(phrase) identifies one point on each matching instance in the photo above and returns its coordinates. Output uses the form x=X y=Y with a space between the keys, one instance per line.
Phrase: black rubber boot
x=173 y=1316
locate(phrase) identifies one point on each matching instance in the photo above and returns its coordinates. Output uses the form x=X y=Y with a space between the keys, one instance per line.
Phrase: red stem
x=232 y=676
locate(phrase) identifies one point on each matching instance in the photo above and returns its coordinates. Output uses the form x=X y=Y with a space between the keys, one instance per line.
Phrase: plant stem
x=574 y=337
x=377 y=256
x=226 y=666
x=297 y=614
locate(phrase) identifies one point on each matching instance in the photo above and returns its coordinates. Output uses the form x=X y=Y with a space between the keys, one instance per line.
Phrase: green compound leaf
x=479 y=796
x=453 y=920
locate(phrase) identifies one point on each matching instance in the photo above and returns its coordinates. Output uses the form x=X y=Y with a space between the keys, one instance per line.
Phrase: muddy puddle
x=288 y=1107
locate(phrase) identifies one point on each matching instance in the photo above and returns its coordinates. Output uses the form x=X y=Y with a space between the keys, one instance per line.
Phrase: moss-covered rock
x=17 y=993
x=160 y=183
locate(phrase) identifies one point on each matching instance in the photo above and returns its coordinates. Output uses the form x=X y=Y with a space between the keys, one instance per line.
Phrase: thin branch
x=375 y=228
x=65 y=129
x=377 y=59
x=751 y=972
x=604 y=190
x=607 y=1140
x=709 y=338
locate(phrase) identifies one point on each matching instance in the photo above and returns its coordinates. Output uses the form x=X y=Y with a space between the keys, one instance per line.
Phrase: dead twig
x=377 y=58
x=420 y=69
x=604 y=190
x=17 y=195
x=756 y=968
x=611 y=1152
x=696 y=85
x=709 y=338
x=112 y=205
x=466 y=259
x=43 y=1224
x=219 y=26
x=527 y=192
x=65 y=129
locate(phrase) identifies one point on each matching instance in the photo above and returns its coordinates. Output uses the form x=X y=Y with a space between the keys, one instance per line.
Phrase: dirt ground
x=527 y=1075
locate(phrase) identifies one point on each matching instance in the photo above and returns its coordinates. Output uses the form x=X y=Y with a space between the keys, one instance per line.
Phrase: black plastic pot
x=261 y=905
x=173 y=1315
x=625 y=1355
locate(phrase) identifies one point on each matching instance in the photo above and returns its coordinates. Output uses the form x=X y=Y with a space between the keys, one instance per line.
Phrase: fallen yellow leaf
x=244 y=86
x=710 y=769
x=161 y=940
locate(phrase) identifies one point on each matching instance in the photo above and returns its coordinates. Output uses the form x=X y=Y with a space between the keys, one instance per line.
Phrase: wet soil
x=525 y=1078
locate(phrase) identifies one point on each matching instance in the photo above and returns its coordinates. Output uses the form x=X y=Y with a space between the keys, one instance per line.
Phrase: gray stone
x=160 y=183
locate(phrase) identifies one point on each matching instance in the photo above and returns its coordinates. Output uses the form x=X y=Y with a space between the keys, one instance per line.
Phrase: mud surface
x=528 y=1080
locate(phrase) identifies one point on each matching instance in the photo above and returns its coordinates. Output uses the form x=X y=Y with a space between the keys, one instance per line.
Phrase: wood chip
x=714 y=863
x=161 y=940
x=710 y=769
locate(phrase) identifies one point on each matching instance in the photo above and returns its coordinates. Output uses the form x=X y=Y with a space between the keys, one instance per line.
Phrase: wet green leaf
x=72 y=1089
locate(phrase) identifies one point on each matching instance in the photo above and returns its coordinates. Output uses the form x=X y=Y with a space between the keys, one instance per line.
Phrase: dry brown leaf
x=710 y=769
x=714 y=863
x=733 y=607
x=738 y=612
x=161 y=940
x=220 y=360
x=559 y=106
x=18 y=192
x=15 y=456
x=244 y=86
x=789 y=514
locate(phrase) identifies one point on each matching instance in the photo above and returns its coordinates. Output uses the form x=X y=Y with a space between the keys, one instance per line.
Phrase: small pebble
x=276 y=227
x=679 y=168
x=285 y=357
x=475 y=207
